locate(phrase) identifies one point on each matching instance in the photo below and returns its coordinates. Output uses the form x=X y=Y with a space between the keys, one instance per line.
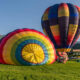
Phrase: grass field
x=56 y=71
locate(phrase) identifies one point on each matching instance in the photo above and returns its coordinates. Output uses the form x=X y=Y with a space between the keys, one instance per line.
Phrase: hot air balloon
x=61 y=23
x=26 y=47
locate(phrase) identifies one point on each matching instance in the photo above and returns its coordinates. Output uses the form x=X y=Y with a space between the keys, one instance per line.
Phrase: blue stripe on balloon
x=53 y=11
x=73 y=10
x=52 y=16
x=74 y=15
x=19 y=49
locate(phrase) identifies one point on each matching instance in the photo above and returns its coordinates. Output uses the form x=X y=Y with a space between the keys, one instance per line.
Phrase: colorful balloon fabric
x=61 y=23
x=26 y=47
x=62 y=57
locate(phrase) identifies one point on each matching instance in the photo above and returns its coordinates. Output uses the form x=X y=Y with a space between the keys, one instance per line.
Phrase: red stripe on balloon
x=70 y=38
x=63 y=5
x=57 y=39
x=47 y=11
x=78 y=8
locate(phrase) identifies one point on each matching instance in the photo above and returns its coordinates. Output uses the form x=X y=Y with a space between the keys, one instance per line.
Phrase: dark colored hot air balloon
x=61 y=23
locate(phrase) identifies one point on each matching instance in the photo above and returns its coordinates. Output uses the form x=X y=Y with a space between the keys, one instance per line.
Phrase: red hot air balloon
x=61 y=23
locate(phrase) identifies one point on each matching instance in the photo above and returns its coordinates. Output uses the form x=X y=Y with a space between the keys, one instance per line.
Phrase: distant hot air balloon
x=61 y=23
x=26 y=47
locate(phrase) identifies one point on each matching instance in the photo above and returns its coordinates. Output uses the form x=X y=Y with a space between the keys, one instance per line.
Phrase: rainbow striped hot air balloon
x=61 y=23
x=26 y=47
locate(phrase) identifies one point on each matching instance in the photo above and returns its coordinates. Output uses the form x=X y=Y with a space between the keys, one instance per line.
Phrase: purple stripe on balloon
x=53 y=21
x=74 y=20
x=63 y=26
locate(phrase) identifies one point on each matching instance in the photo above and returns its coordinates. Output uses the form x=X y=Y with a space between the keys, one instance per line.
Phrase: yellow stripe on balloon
x=63 y=12
x=50 y=57
x=55 y=30
x=45 y=17
x=64 y=49
x=72 y=29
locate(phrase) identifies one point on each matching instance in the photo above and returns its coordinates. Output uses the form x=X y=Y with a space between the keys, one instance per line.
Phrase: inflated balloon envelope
x=61 y=23
x=26 y=47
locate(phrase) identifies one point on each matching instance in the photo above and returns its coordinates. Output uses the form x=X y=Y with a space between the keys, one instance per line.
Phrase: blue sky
x=25 y=13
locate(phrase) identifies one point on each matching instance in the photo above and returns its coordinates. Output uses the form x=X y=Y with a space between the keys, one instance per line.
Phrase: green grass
x=56 y=71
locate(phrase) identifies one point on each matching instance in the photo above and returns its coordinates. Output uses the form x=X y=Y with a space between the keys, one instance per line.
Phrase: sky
x=15 y=14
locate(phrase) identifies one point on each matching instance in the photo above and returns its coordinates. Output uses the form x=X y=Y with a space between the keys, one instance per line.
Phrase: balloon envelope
x=61 y=23
x=26 y=47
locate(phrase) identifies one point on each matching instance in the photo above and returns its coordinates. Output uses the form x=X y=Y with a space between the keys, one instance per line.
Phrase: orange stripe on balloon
x=71 y=33
x=56 y=34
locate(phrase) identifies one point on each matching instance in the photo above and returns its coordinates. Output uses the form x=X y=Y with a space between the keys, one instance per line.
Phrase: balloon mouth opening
x=33 y=53
x=64 y=50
